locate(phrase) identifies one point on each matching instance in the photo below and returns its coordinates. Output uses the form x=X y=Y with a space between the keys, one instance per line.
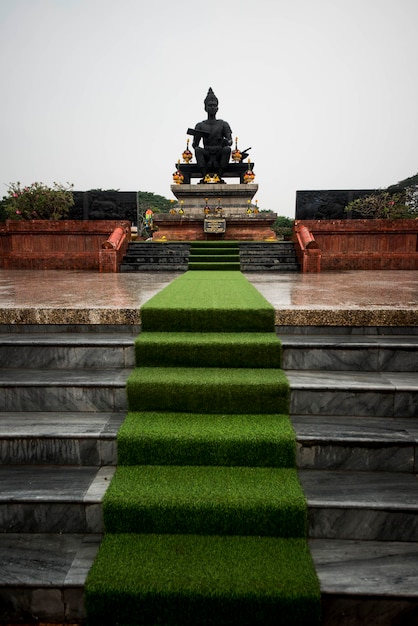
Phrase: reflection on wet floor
x=396 y=289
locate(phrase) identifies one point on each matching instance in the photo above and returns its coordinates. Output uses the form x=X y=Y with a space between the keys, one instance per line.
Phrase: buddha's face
x=211 y=106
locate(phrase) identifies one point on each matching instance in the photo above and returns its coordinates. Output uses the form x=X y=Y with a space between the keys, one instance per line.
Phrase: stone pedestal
x=234 y=199
x=188 y=228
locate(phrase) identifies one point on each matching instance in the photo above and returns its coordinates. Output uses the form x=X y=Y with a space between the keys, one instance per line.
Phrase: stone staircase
x=278 y=256
x=148 y=256
x=354 y=403
x=62 y=399
x=354 y=406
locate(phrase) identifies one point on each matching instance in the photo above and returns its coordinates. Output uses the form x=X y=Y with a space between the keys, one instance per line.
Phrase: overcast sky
x=101 y=93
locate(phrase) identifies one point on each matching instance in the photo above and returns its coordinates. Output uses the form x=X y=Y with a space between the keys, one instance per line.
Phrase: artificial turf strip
x=214 y=252
x=188 y=580
x=205 y=439
x=208 y=349
x=206 y=500
x=212 y=258
x=206 y=487
x=214 y=266
x=216 y=244
x=202 y=390
x=208 y=301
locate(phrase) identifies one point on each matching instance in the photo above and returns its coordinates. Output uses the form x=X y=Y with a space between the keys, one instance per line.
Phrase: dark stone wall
x=121 y=205
x=104 y=205
x=327 y=205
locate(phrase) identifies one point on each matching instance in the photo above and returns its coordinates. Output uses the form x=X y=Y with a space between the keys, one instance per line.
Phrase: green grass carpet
x=211 y=390
x=205 y=517
x=223 y=244
x=208 y=301
x=157 y=438
x=212 y=258
x=214 y=500
x=214 y=265
x=208 y=349
x=193 y=580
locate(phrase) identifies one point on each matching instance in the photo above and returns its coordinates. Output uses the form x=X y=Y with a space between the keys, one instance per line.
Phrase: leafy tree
x=382 y=205
x=412 y=181
x=158 y=204
x=283 y=226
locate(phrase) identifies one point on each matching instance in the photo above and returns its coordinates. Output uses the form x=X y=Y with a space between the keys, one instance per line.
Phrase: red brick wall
x=365 y=244
x=44 y=244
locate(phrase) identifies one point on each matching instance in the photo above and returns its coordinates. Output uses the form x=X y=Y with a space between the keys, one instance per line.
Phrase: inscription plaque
x=214 y=225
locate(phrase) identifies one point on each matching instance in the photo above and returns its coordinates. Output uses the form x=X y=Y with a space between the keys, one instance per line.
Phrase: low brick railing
x=360 y=244
x=63 y=244
x=307 y=249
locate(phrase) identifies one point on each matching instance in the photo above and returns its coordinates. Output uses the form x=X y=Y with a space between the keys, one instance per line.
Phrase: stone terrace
x=350 y=352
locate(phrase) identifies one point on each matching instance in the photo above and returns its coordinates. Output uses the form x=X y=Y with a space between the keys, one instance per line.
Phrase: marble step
x=362 y=582
x=65 y=438
x=287 y=331
x=52 y=499
x=372 y=506
x=63 y=390
x=152 y=267
x=59 y=438
x=367 y=582
x=43 y=575
x=383 y=394
x=101 y=350
x=342 y=504
x=356 y=443
x=396 y=353
x=67 y=350
x=276 y=266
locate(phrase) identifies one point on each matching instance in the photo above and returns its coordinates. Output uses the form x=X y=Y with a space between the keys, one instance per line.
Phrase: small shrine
x=206 y=205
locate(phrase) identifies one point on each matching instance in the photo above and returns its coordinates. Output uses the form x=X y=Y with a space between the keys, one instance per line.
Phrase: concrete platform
x=348 y=298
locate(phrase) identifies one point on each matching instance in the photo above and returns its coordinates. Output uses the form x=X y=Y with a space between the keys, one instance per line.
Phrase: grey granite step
x=393 y=353
x=52 y=499
x=367 y=582
x=354 y=409
x=362 y=582
x=59 y=438
x=356 y=443
x=383 y=394
x=381 y=506
x=67 y=349
x=63 y=390
x=42 y=576
x=288 y=331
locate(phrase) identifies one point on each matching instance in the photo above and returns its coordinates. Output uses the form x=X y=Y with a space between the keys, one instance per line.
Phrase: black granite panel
x=327 y=204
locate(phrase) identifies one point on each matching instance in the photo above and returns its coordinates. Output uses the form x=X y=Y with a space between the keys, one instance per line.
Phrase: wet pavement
x=54 y=296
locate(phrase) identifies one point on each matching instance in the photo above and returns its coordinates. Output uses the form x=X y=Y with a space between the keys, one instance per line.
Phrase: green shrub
x=383 y=205
x=38 y=201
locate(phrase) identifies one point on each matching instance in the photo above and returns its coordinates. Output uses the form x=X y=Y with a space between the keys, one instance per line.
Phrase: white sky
x=100 y=93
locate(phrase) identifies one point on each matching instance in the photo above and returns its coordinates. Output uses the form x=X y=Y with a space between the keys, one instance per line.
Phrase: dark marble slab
x=359 y=353
x=350 y=443
x=361 y=505
x=59 y=438
x=44 y=575
x=52 y=499
x=372 y=568
x=372 y=394
x=63 y=390
x=63 y=350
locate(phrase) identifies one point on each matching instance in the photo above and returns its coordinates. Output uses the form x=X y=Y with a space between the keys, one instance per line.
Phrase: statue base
x=255 y=227
x=193 y=223
x=234 y=199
